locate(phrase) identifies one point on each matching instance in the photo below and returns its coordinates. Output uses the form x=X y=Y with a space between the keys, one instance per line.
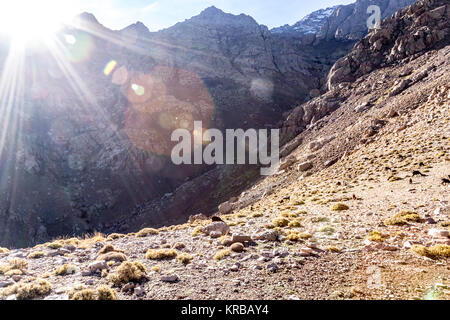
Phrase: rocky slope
x=359 y=209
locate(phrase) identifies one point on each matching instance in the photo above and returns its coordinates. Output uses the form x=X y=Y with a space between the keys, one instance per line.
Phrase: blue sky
x=159 y=14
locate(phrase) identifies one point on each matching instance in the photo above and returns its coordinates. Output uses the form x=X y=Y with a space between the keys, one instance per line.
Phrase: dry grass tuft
x=339 y=207
x=376 y=236
x=106 y=293
x=65 y=270
x=115 y=236
x=128 y=272
x=184 y=258
x=403 y=218
x=161 y=254
x=146 y=232
x=280 y=222
x=36 y=255
x=29 y=290
x=434 y=252
x=222 y=254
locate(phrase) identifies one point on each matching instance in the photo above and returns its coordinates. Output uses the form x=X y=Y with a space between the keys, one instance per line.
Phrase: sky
x=160 y=14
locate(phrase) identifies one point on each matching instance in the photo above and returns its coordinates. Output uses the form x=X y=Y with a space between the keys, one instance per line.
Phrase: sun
x=28 y=21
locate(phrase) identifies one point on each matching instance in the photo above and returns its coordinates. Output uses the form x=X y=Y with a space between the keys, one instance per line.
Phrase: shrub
x=3 y=250
x=156 y=268
x=295 y=224
x=375 y=236
x=161 y=254
x=115 y=236
x=84 y=294
x=54 y=245
x=434 y=252
x=184 y=258
x=146 y=232
x=106 y=293
x=293 y=236
x=36 y=255
x=339 y=207
x=197 y=231
x=14 y=267
x=28 y=291
x=129 y=272
x=402 y=218
x=222 y=254
x=65 y=270
x=109 y=248
x=280 y=222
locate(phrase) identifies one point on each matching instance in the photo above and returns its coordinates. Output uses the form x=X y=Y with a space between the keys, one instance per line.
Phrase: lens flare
x=162 y=101
x=110 y=67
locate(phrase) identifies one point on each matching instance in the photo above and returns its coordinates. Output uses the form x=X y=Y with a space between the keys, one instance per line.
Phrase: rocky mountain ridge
x=98 y=109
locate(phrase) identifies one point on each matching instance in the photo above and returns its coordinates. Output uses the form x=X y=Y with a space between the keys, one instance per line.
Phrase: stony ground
x=371 y=224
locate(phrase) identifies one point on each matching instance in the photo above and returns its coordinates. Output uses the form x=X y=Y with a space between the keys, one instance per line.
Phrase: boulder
x=218 y=227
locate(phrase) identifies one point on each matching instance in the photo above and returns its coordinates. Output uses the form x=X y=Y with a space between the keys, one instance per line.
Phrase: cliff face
x=87 y=138
x=344 y=22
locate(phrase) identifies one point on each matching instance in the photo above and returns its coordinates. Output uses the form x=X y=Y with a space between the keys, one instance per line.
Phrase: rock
x=306 y=252
x=139 y=291
x=400 y=87
x=331 y=162
x=282 y=253
x=390 y=247
x=363 y=107
x=215 y=234
x=97 y=266
x=70 y=247
x=305 y=166
x=129 y=287
x=237 y=247
x=272 y=267
x=197 y=217
x=235 y=267
x=170 y=278
x=4 y=284
x=16 y=278
x=239 y=237
x=287 y=163
x=270 y=235
x=227 y=242
x=220 y=227
x=225 y=208
x=438 y=233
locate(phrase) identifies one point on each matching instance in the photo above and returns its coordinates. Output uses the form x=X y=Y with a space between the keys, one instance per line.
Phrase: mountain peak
x=138 y=27
x=86 y=17
x=213 y=10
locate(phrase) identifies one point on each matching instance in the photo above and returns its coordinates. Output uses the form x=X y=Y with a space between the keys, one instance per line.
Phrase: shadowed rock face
x=87 y=121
